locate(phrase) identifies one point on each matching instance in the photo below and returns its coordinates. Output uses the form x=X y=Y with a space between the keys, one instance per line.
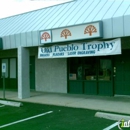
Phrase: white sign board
x=96 y=48
x=86 y=31
x=3 y=67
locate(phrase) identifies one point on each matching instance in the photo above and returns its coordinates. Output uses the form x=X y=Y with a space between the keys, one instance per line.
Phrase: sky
x=13 y=7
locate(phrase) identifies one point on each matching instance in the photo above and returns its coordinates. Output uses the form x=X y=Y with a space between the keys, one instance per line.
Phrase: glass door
x=90 y=75
x=104 y=70
x=75 y=79
x=83 y=75
x=105 y=76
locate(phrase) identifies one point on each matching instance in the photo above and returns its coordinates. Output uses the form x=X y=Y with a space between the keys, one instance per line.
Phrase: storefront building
x=79 y=47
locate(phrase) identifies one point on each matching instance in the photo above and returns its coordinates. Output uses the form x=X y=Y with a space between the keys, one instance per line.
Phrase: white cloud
x=13 y=7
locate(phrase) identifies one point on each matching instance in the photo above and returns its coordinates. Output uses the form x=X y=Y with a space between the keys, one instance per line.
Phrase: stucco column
x=23 y=73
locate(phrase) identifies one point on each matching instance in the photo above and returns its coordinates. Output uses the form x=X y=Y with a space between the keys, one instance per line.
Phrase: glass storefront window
x=13 y=68
x=89 y=68
x=82 y=69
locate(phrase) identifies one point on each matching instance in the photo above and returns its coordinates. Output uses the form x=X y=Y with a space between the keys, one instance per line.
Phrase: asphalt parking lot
x=32 y=116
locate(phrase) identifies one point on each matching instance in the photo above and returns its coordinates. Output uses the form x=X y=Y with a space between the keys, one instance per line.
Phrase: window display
x=82 y=69
x=90 y=68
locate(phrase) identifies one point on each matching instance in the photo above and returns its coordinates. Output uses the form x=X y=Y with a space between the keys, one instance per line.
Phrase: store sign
x=45 y=36
x=85 y=31
x=96 y=48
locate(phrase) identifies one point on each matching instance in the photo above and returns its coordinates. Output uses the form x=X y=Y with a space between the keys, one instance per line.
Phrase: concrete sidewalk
x=118 y=104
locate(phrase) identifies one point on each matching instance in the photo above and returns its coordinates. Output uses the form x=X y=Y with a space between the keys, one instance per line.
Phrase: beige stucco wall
x=51 y=75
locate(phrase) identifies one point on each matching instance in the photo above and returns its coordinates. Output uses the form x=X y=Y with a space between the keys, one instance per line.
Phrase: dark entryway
x=32 y=72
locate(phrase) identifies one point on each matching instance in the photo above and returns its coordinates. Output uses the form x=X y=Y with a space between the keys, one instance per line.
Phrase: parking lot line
x=26 y=119
x=111 y=126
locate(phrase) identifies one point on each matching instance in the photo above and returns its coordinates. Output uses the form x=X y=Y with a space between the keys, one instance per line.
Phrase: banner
x=96 y=48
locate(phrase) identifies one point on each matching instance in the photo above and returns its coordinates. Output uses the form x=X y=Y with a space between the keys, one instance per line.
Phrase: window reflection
x=75 y=66
x=104 y=69
x=89 y=68
x=82 y=68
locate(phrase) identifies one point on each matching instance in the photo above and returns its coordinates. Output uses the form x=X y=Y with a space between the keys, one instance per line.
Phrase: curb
x=11 y=103
x=110 y=116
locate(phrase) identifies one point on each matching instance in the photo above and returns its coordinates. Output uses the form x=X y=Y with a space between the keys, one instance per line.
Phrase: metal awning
x=115 y=15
